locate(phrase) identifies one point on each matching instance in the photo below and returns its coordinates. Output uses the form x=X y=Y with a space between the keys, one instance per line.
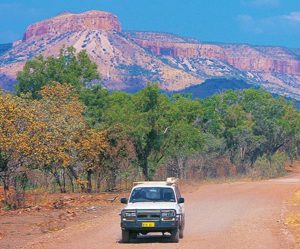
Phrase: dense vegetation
x=62 y=131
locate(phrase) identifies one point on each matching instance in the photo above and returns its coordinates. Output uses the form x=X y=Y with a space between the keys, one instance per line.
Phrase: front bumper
x=160 y=226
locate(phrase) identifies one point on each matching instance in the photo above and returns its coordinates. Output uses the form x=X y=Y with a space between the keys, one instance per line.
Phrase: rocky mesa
x=68 y=22
x=128 y=60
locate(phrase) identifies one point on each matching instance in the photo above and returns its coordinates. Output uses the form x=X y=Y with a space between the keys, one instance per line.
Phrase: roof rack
x=172 y=180
x=169 y=181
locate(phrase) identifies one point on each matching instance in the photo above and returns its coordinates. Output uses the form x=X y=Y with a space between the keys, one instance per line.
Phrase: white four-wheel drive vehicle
x=153 y=207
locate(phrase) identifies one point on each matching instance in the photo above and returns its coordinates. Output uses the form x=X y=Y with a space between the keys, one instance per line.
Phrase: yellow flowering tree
x=92 y=146
x=19 y=132
x=61 y=110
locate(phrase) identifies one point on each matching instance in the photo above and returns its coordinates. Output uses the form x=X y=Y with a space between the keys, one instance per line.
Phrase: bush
x=268 y=169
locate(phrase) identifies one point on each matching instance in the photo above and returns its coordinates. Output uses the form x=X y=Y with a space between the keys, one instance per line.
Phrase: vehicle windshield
x=152 y=194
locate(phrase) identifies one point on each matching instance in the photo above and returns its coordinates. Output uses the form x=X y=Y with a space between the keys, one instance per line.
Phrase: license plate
x=148 y=224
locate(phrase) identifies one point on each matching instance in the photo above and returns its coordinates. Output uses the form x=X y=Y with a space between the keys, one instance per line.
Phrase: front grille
x=148 y=215
x=144 y=216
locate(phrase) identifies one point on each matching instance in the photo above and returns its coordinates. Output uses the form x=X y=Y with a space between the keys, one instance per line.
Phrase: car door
x=181 y=205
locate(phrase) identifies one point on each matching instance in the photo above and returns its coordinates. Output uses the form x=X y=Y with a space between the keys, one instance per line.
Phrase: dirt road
x=237 y=215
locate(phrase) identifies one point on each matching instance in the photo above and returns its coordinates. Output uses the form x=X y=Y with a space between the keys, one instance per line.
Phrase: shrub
x=270 y=168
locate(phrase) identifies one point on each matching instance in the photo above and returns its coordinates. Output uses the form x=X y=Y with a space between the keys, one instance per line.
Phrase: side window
x=168 y=194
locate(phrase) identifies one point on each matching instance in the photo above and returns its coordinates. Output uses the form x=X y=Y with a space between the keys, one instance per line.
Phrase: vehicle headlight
x=129 y=214
x=168 y=213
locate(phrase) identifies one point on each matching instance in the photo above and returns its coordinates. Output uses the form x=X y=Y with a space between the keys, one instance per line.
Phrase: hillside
x=128 y=60
x=215 y=86
x=5 y=47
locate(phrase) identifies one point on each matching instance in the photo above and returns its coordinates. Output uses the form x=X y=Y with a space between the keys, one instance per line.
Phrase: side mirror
x=180 y=200
x=124 y=200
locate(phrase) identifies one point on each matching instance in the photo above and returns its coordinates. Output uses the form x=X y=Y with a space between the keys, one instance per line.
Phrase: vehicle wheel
x=181 y=233
x=125 y=236
x=175 y=235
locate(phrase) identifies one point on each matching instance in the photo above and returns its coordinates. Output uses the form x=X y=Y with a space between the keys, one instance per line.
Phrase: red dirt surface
x=51 y=213
x=237 y=215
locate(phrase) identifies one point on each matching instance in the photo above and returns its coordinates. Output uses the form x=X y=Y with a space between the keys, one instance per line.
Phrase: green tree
x=252 y=122
x=143 y=118
x=149 y=126
x=276 y=121
x=96 y=100
x=69 y=67
x=183 y=141
x=118 y=156
x=240 y=139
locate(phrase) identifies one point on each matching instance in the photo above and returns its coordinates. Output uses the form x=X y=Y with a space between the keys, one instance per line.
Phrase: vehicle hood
x=152 y=205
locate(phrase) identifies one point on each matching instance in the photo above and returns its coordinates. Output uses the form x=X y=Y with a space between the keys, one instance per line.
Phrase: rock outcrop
x=69 y=22
x=243 y=57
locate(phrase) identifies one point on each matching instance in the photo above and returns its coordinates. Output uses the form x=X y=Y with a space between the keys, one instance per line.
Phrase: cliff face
x=243 y=57
x=128 y=60
x=68 y=22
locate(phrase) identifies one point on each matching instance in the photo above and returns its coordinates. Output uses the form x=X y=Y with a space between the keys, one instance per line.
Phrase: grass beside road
x=293 y=219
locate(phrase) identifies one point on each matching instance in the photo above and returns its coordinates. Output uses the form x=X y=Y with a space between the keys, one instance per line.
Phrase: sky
x=257 y=22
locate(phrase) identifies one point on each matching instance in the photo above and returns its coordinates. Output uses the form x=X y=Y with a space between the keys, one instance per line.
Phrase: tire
x=125 y=236
x=181 y=233
x=181 y=227
x=175 y=235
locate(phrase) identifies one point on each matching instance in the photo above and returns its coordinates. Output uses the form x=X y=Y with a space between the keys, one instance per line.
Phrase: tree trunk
x=143 y=161
x=98 y=184
x=64 y=180
x=241 y=168
x=5 y=189
x=269 y=157
x=89 y=180
x=72 y=183
x=144 y=164
x=111 y=181
x=180 y=163
x=19 y=194
x=74 y=174
x=57 y=179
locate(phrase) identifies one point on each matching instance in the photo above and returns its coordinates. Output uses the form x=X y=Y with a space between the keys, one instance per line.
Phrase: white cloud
x=247 y=23
x=282 y=24
x=293 y=17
